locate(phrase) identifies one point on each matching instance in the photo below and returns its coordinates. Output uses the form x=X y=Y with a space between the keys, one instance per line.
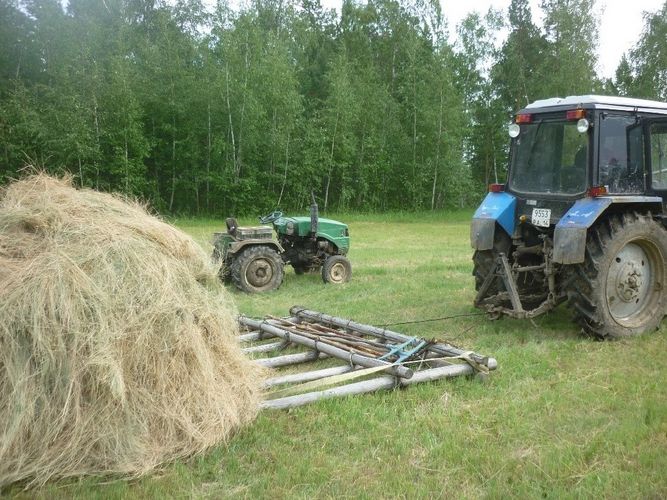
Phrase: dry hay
x=117 y=348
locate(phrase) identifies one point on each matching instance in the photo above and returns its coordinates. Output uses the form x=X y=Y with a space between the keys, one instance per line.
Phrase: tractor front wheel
x=336 y=269
x=257 y=269
x=621 y=288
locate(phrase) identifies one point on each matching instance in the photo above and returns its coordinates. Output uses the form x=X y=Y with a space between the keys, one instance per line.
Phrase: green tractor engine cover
x=327 y=229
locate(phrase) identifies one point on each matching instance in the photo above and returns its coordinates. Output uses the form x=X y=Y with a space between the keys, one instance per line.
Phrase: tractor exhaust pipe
x=314 y=215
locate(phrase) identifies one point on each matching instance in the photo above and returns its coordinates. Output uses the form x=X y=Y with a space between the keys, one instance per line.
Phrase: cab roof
x=598 y=102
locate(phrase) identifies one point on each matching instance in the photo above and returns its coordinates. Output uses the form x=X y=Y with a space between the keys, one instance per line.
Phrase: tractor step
x=365 y=350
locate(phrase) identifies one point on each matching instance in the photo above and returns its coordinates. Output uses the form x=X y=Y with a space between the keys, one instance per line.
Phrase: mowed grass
x=563 y=416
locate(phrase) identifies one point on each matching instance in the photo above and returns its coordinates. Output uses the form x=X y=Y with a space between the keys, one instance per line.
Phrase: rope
x=414 y=322
x=443 y=318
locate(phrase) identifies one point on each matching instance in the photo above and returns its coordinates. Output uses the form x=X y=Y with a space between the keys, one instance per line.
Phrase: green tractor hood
x=332 y=230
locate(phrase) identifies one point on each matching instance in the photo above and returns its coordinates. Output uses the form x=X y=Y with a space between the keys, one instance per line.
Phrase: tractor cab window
x=621 y=154
x=659 y=155
x=549 y=157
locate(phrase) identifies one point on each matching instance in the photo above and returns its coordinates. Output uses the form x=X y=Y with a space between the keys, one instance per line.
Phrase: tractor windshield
x=549 y=157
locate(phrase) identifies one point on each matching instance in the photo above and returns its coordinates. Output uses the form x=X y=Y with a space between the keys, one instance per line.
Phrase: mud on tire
x=257 y=269
x=484 y=260
x=621 y=288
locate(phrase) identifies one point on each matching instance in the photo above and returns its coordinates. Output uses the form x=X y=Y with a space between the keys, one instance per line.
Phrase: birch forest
x=240 y=108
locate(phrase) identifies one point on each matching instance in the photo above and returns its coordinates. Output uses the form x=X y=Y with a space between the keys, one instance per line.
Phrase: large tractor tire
x=336 y=269
x=484 y=261
x=257 y=269
x=621 y=288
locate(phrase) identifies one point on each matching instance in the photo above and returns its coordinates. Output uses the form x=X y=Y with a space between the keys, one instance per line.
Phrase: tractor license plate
x=541 y=217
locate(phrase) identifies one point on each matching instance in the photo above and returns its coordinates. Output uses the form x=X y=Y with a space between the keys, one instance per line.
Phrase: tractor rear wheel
x=257 y=269
x=484 y=261
x=621 y=288
x=336 y=269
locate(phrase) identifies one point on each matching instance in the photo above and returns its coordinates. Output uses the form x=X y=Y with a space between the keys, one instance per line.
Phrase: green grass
x=563 y=416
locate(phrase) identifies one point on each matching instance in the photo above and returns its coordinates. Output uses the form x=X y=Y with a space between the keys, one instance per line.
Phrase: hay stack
x=117 y=347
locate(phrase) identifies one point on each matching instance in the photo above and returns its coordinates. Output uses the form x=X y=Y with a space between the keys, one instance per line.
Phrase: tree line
x=238 y=110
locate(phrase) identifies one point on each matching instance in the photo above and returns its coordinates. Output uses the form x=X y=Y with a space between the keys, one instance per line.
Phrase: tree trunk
x=282 y=188
x=239 y=156
x=127 y=166
x=333 y=143
x=414 y=138
x=231 y=123
x=208 y=159
x=173 y=162
x=97 y=143
x=437 y=150
x=196 y=188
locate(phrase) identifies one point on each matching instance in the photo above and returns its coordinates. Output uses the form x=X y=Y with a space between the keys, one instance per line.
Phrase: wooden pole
x=253 y=336
x=263 y=347
x=297 y=378
x=372 y=385
x=290 y=359
x=352 y=357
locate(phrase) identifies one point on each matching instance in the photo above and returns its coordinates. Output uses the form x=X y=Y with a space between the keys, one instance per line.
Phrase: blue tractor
x=582 y=217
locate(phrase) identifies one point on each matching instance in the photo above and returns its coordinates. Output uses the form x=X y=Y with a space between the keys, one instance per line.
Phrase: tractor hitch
x=510 y=302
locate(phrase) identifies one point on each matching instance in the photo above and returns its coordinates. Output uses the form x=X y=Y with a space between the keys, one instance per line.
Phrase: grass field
x=563 y=416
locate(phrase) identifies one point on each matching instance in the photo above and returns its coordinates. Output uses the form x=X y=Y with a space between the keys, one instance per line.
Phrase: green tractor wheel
x=257 y=269
x=336 y=269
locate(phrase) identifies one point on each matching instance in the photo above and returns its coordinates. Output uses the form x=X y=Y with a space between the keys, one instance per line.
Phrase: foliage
x=644 y=72
x=241 y=110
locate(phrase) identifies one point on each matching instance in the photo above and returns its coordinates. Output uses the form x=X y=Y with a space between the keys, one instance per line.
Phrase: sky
x=621 y=22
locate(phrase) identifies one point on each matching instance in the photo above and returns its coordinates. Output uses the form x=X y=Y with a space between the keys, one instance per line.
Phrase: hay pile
x=116 y=338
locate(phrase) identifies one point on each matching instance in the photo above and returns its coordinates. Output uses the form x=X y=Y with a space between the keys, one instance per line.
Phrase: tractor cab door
x=621 y=154
x=656 y=154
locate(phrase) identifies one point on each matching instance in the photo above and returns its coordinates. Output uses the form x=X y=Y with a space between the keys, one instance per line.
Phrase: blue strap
x=413 y=345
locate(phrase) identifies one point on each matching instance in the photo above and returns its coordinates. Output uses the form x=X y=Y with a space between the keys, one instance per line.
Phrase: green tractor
x=253 y=260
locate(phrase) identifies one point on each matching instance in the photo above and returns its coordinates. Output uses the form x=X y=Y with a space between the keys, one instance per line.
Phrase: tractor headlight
x=513 y=130
x=582 y=125
x=290 y=228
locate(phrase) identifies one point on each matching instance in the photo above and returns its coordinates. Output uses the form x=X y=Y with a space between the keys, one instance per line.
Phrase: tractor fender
x=340 y=243
x=496 y=207
x=237 y=246
x=572 y=229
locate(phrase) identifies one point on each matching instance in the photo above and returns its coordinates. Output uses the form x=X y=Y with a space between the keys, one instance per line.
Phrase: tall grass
x=563 y=416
